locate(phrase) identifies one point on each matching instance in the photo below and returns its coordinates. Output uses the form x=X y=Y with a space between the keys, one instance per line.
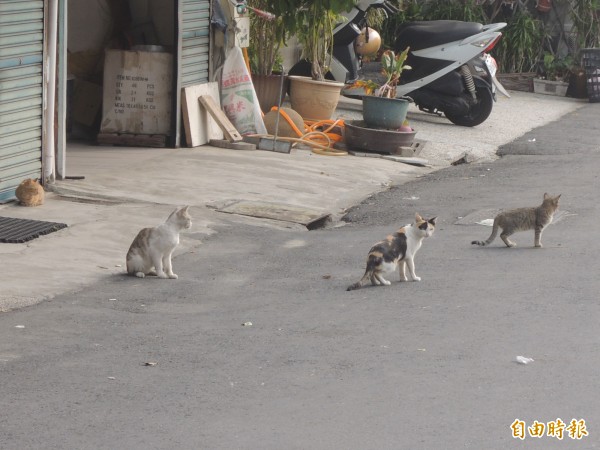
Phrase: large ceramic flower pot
x=314 y=99
x=381 y=112
x=268 y=90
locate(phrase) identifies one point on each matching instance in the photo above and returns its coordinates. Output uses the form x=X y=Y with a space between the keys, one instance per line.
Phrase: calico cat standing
x=396 y=251
x=152 y=248
x=523 y=219
x=30 y=193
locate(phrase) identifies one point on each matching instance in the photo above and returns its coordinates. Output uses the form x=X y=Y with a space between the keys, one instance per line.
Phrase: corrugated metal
x=195 y=41
x=21 y=92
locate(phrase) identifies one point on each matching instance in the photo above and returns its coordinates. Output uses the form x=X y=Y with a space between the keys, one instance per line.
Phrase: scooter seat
x=419 y=35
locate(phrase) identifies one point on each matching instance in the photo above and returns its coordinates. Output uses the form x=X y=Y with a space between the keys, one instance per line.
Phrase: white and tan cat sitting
x=151 y=250
x=30 y=193
x=522 y=219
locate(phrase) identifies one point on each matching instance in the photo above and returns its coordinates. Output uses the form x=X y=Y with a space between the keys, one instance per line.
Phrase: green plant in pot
x=381 y=108
x=557 y=69
x=266 y=39
x=314 y=23
x=556 y=72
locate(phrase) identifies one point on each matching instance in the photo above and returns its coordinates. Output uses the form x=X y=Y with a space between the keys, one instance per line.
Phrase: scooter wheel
x=478 y=112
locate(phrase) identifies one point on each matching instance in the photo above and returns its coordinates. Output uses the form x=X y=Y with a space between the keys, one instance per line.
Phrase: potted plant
x=315 y=22
x=268 y=33
x=384 y=128
x=381 y=108
x=556 y=73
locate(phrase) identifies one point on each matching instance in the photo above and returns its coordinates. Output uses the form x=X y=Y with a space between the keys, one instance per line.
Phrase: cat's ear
x=558 y=196
x=432 y=220
x=183 y=210
x=546 y=196
x=418 y=218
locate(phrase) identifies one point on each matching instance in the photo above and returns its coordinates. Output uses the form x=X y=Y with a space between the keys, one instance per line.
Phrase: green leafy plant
x=392 y=66
x=521 y=44
x=266 y=38
x=467 y=10
x=557 y=69
x=314 y=22
x=586 y=20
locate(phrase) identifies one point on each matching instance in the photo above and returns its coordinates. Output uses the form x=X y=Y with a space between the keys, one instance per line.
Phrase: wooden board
x=213 y=108
x=239 y=145
x=133 y=140
x=199 y=126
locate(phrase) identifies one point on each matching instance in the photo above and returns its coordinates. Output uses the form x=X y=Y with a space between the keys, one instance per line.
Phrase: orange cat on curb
x=30 y=193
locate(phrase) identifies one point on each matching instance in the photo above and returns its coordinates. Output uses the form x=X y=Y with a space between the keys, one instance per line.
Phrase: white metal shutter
x=21 y=92
x=194 y=31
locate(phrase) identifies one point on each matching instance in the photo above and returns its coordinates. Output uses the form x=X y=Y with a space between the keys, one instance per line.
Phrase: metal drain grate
x=16 y=231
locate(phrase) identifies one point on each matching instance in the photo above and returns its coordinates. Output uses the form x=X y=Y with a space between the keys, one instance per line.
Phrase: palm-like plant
x=392 y=66
x=314 y=21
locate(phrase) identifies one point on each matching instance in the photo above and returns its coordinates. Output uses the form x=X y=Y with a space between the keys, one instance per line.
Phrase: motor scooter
x=452 y=71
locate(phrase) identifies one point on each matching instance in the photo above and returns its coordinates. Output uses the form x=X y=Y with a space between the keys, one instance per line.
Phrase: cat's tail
x=492 y=236
x=372 y=263
x=360 y=283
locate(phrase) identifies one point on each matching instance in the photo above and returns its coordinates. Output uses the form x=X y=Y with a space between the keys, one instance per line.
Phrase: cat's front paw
x=416 y=278
x=173 y=276
x=162 y=275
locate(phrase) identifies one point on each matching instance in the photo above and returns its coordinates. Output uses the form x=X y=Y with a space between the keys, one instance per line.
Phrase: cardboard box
x=137 y=92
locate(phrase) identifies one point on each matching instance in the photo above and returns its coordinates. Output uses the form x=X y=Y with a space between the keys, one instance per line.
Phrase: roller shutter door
x=21 y=92
x=194 y=31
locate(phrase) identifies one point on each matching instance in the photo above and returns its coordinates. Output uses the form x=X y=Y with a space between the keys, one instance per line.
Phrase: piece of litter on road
x=326 y=277
x=412 y=197
x=150 y=363
x=486 y=222
x=111 y=378
x=102 y=267
x=19 y=326
x=247 y=324
x=112 y=299
x=531 y=140
x=422 y=349
x=524 y=360
x=118 y=265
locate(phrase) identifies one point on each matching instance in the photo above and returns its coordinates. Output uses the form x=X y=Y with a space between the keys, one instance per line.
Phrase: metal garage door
x=21 y=92
x=194 y=41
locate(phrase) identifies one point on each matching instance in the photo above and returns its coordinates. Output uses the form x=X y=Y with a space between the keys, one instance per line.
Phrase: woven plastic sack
x=238 y=98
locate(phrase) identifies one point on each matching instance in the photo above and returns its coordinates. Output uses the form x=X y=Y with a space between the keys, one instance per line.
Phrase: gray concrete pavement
x=126 y=189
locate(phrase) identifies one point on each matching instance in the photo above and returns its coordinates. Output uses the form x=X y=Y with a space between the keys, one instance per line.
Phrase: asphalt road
x=427 y=365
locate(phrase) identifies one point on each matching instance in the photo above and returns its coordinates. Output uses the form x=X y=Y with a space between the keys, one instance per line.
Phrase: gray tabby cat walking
x=523 y=219
x=395 y=252
x=152 y=248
